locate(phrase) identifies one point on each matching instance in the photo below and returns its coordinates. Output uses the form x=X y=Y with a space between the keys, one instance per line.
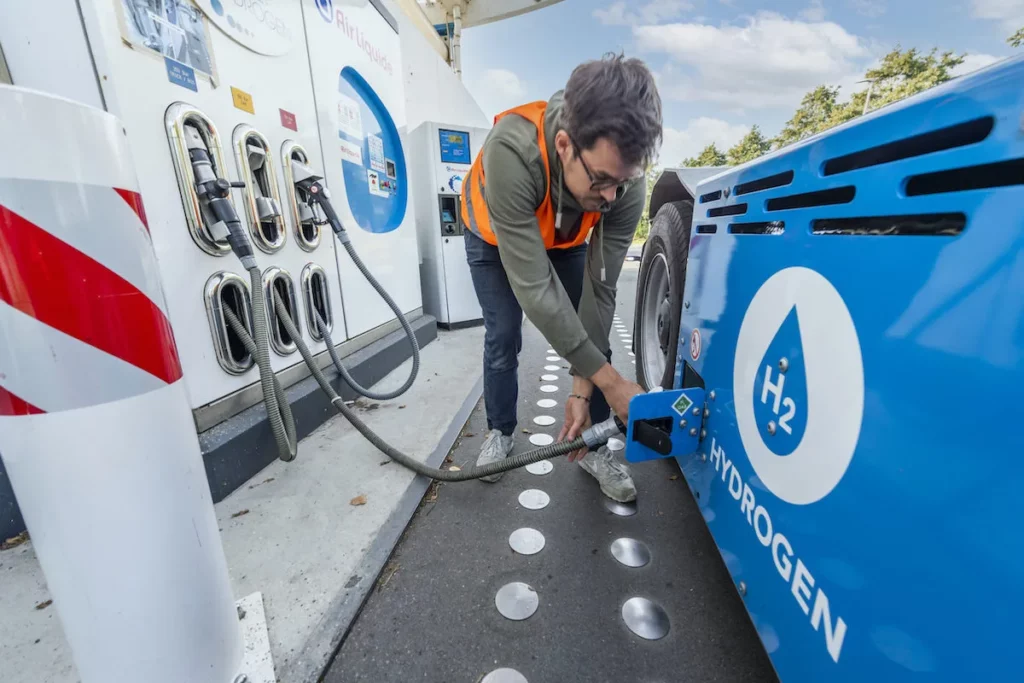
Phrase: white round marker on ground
x=516 y=601
x=552 y=351
x=549 y=388
x=547 y=403
x=526 y=541
x=534 y=499
x=548 y=378
x=544 y=420
x=552 y=359
x=541 y=439
x=552 y=368
x=540 y=468
x=504 y=676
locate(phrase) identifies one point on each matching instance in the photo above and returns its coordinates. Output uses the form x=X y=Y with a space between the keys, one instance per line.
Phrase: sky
x=725 y=65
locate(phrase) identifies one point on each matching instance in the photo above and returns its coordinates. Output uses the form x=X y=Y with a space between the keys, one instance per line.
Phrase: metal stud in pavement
x=631 y=552
x=620 y=509
x=541 y=439
x=516 y=601
x=544 y=420
x=526 y=541
x=504 y=676
x=645 y=618
x=534 y=499
x=540 y=468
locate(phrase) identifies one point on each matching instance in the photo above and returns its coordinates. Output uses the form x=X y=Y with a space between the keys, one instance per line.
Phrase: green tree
x=709 y=156
x=811 y=117
x=753 y=145
x=1017 y=39
x=900 y=75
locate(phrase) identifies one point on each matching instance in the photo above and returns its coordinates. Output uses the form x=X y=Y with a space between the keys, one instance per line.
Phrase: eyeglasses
x=602 y=183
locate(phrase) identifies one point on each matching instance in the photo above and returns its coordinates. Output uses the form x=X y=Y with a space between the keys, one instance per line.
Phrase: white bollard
x=95 y=428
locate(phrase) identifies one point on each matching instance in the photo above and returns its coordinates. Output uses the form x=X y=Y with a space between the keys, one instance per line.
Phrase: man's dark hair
x=615 y=98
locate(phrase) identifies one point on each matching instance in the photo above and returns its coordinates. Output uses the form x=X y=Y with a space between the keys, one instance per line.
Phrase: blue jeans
x=503 y=323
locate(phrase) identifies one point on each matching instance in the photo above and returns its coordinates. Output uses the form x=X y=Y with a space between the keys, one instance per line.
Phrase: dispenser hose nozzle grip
x=598 y=435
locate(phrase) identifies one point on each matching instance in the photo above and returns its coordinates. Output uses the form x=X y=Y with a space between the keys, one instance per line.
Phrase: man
x=551 y=204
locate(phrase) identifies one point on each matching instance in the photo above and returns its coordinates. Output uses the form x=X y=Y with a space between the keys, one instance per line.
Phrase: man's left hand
x=577 y=419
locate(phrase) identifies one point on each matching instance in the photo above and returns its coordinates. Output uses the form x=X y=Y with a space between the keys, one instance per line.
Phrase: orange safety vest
x=474 y=202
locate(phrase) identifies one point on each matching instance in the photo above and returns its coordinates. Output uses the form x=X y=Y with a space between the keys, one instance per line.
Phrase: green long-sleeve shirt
x=515 y=189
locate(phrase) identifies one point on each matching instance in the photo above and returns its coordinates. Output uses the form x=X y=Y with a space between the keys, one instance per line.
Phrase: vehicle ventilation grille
x=711 y=196
x=984 y=176
x=772 y=181
x=951 y=137
x=837 y=195
x=707 y=229
x=936 y=224
x=733 y=210
x=762 y=228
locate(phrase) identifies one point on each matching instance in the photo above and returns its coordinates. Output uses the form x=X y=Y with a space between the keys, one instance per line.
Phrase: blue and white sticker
x=181 y=74
x=798 y=380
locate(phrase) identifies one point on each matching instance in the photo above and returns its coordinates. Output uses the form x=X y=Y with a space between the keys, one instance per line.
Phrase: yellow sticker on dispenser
x=242 y=100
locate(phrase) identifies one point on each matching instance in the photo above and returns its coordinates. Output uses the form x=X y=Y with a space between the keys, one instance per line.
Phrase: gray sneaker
x=496 y=447
x=614 y=477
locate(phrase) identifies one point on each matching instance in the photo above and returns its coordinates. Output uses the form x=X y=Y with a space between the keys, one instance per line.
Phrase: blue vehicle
x=847 y=317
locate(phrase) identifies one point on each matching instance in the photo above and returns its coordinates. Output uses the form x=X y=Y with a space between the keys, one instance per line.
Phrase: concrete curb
x=310 y=665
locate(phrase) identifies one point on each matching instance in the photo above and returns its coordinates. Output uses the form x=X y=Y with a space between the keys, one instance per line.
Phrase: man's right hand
x=617 y=390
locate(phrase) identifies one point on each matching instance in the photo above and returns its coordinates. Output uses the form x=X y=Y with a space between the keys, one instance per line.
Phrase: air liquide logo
x=799 y=385
x=254 y=24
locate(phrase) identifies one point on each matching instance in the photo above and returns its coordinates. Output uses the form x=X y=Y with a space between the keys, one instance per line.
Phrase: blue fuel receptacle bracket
x=664 y=424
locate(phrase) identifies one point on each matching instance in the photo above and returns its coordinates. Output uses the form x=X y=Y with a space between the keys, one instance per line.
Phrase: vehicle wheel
x=659 y=299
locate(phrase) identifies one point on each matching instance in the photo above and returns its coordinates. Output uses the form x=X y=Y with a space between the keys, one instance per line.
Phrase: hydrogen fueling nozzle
x=213 y=192
x=598 y=435
x=308 y=182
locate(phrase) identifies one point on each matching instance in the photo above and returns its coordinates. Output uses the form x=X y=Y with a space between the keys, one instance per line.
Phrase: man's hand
x=617 y=390
x=577 y=415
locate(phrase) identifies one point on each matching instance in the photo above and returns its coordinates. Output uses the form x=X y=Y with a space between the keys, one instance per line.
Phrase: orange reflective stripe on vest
x=474 y=197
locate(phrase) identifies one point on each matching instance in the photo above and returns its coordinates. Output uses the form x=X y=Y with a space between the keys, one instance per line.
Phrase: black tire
x=667 y=248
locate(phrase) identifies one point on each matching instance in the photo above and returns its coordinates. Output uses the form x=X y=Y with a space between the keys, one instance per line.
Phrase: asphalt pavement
x=433 y=616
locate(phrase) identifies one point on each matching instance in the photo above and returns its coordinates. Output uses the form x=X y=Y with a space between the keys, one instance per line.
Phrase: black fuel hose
x=403 y=459
x=410 y=335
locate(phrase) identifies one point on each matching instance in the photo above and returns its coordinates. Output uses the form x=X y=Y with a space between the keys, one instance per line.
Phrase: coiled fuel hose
x=513 y=462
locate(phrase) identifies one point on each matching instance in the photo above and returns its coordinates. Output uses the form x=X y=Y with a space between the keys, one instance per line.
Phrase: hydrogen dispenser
x=446 y=151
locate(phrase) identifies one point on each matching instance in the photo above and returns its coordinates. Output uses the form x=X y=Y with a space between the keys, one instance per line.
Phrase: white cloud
x=651 y=12
x=496 y=90
x=1009 y=12
x=680 y=143
x=973 y=62
x=770 y=61
x=813 y=12
x=869 y=8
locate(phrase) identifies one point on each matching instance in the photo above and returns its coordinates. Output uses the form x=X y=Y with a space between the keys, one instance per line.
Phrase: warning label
x=682 y=404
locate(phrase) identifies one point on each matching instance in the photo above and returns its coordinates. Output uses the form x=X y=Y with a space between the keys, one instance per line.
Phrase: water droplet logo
x=780 y=390
x=217 y=7
x=326 y=9
x=798 y=379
